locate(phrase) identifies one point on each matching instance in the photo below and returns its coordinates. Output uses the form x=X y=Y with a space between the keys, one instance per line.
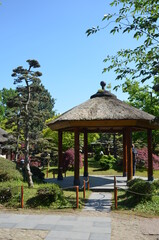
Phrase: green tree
x=139 y=17
x=33 y=106
x=5 y=95
x=146 y=99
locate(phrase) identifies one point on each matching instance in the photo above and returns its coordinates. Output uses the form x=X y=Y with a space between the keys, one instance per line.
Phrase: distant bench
x=55 y=171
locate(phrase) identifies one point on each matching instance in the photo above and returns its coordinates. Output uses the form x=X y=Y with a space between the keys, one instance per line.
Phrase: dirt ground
x=133 y=227
x=123 y=227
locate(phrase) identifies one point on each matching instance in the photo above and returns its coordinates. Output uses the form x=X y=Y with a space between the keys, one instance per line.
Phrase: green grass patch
x=41 y=196
x=94 y=168
x=141 y=197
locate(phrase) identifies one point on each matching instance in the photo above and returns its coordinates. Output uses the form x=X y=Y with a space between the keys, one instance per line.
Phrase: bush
x=69 y=159
x=156 y=184
x=5 y=195
x=140 y=190
x=142 y=159
x=108 y=162
x=8 y=171
x=9 y=191
x=98 y=154
x=49 y=194
x=38 y=175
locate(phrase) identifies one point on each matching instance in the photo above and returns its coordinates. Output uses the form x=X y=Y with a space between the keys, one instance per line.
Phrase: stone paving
x=99 y=201
x=100 y=182
x=66 y=227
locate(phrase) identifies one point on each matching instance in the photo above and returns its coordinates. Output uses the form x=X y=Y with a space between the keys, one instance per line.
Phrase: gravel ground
x=132 y=227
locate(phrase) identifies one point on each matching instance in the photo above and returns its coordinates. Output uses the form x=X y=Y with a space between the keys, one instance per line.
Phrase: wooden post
x=77 y=196
x=60 y=163
x=114 y=186
x=150 y=162
x=124 y=154
x=76 y=166
x=84 y=189
x=85 y=153
x=88 y=183
x=115 y=197
x=114 y=181
x=129 y=154
x=22 y=197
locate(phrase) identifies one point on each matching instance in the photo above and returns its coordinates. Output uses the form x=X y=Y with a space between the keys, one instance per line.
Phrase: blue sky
x=53 y=32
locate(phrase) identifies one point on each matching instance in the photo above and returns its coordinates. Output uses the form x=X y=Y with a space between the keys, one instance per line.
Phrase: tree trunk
x=27 y=164
x=17 y=143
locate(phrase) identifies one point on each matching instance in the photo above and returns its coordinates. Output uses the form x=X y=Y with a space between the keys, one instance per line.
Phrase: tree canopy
x=26 y=110
x=141 y=18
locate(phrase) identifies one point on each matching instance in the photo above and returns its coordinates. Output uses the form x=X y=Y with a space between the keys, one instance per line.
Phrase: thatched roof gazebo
x=103 y=112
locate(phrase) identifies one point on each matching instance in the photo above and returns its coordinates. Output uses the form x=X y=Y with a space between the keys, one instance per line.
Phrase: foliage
x=108 y=162
x=142 y=158
x=28 y=110
x=8 y=171
x=5 y=95
x=143 y=198
x=9 y=192
x=47 y=195
x=5 y=195
x=92 y=137
x=144 y=98
x=140 y=190
x=50 y=192
x=98 y=153
x=69 y=159
x=38 y=175
x=139 y=17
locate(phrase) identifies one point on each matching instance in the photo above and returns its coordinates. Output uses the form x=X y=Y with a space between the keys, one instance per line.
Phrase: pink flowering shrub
x=69 y=159
x=142 y=158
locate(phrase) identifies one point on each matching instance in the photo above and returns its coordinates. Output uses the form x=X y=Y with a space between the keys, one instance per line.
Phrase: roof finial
x=103 y=84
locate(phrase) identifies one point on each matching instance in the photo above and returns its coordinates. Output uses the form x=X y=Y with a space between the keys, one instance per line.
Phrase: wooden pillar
x=76 y=165
x=60 y=162
x=150 y=162
x=85 y=153
x=124 y=154
x=129 y=154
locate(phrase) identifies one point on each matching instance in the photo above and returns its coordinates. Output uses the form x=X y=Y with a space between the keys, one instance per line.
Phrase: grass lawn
x=31 y=200
x=95 y=169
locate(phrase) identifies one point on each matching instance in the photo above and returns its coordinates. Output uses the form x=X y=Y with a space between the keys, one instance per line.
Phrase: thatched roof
x=3 y=136
x=103 y=110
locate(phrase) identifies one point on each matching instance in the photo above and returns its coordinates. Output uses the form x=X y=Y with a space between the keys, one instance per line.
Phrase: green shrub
x=48 y=195
x=98 y=154
x=5 y=195
x=108 y=162
x=156 y=184
x=50 y=192
x=38 y=175
x=8 y=171
x=140 y=190
x=9 y=191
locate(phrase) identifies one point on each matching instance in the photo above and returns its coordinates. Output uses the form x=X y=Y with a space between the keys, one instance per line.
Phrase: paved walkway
x=66 y=227
x=58 y=226
x=99 y=201
x=97 y=182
